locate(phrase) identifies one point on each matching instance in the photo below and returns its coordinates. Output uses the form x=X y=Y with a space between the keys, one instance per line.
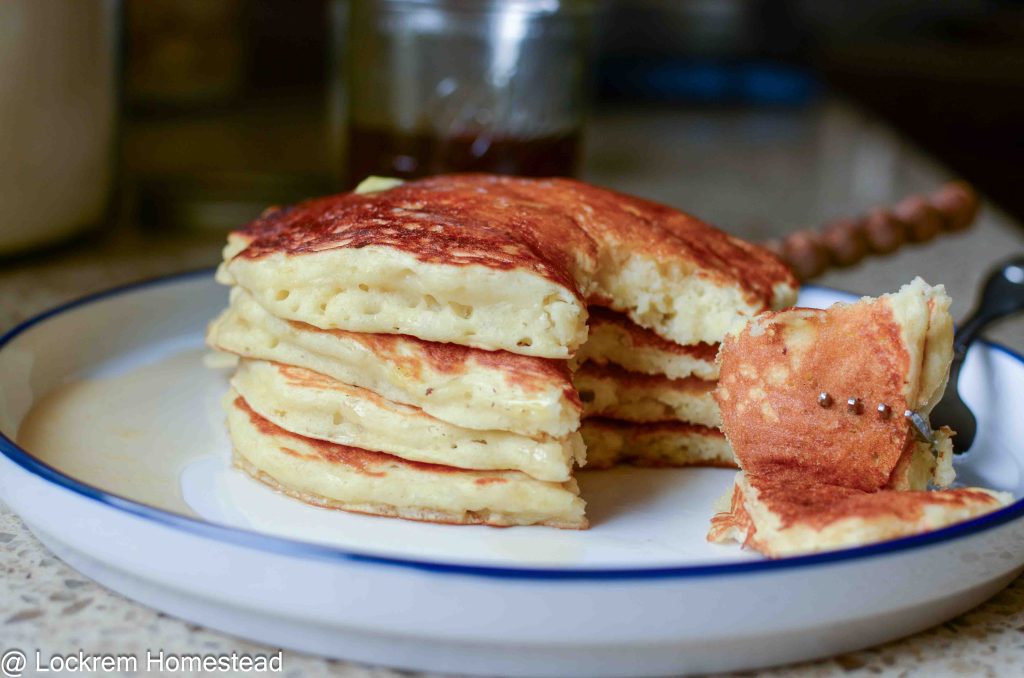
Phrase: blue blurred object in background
x=755 y=82
x=737 y=52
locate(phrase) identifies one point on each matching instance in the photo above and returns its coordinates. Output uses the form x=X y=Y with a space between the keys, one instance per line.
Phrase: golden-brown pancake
x=453 y=260
x=344 y=477
x=812 y=403
x=667 y=270
x=317 y=406
x=485 y=390
x=610 y=442
x=893 y=351
x=500 y=263
x=616 y=339
x=781 y=516
x=610 y=391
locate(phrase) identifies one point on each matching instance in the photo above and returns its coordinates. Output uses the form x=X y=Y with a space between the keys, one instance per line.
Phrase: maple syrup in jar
x=391 y=153
x=437 y=86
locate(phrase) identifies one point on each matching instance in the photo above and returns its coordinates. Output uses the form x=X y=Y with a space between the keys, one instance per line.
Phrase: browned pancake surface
x=769 y=388
x=795 y=500
x=458 y=220
x=556 y=228
x=632 y=224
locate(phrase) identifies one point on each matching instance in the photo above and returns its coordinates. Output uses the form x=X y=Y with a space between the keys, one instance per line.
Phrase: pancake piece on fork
x=812 y=402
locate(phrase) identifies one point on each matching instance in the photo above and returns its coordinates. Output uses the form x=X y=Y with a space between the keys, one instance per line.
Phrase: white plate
x=124 y=474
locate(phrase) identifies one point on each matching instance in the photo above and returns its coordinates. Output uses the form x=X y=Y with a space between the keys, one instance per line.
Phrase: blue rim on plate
x=289 y=547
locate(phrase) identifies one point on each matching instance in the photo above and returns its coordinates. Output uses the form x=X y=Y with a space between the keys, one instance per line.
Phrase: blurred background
x=169 y=121
x=230 y=104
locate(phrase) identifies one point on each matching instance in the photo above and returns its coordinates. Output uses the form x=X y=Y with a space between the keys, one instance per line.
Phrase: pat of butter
x=374 y=184
x=220 y=360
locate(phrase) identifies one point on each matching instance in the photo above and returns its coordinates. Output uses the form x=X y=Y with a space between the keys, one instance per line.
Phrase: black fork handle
x=1002 y=296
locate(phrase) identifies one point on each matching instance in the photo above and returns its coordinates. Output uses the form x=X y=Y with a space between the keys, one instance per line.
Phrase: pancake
x=317 y=406
x=610 y=391
x=500 y=263
x=667 y=270
x=820 y=476
x=781 y=517
x=467 y=387
x=615 y=339
x=446 y=260
x=893 y=350
x=611 y=442
x=348 y=478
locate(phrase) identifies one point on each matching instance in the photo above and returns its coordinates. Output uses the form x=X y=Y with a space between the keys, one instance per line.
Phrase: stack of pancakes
x=407 y=350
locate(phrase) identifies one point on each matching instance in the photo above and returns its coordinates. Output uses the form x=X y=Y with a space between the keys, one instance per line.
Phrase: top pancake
x=894 y=350
x=500 y=263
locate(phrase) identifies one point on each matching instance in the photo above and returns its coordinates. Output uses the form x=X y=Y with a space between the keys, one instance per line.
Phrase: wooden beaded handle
x=881 y=231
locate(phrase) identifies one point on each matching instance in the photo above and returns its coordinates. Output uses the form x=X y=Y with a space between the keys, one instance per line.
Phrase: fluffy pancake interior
x=317 y=406
x=380 y=290
x=353 y=479
x=610 y=442
x=466 y=387
x=667 y=270
x=610 y=391
x=457 y=260
x=616 y=339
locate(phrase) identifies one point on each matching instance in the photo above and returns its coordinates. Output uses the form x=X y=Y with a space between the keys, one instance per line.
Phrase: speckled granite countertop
x=757 y=174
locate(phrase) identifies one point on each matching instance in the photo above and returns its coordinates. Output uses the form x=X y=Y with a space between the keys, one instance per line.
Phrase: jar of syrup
x=436 y=86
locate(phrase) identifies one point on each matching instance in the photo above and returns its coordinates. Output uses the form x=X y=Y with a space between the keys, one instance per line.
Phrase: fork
x=1002 y=295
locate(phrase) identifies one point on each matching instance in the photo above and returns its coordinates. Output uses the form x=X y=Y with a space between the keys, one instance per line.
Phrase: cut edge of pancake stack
x=406 y=351
x=647 y=401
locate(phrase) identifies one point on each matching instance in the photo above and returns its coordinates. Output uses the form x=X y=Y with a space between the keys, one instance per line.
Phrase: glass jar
x=467 y=85
x=58 y=85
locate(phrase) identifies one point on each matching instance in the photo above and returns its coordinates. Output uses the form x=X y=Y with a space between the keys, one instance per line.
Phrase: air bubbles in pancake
x=461 y=310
